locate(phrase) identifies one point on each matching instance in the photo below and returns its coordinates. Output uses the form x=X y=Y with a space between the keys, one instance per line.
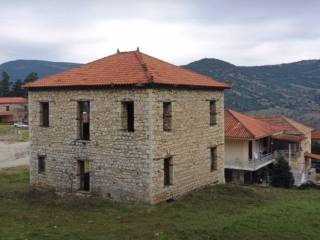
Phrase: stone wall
x=127 y=166
x=299 y=164
x=188 y=143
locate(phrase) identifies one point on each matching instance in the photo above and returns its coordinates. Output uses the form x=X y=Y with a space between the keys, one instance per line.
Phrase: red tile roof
x=289 y=137
x=6 y=113
x=127 y=68
x=13 y=100
x=239 y=125
x=287 y=125
x=315 y=135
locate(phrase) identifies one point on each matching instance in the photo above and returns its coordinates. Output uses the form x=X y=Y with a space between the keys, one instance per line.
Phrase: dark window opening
x=266 y=145
x=228 y=175
x=167 y=116
x=213 y=113
x=250 y=150
x=7 y=108
x=84 y=120
x=41 y=164
x=213 y=156
x=84 y=175
x=128 y=116
x=167 y=169
x=44 y=114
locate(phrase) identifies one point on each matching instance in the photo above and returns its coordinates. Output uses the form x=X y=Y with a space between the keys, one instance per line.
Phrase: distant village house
x=13 y=109
x=253 y=144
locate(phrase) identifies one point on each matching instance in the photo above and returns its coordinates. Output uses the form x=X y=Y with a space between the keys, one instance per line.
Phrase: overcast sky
x=243 y=32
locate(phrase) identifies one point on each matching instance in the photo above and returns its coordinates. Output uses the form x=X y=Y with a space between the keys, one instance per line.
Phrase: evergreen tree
x=281 y=174
x=5 y=85
x=315 y=147
x=17 y=89
x=31 y=77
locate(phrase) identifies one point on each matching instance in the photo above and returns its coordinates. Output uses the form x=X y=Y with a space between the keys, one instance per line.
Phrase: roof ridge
x=188 y=70
x=290 y=123
x=144 y=66
x=231 y=112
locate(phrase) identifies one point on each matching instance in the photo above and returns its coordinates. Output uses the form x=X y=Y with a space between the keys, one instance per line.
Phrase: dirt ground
x=13 y=154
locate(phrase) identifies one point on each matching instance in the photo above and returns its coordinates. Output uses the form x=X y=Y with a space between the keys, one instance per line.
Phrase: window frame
x=167 y=116
x=213 y=112
x=128 y=116
x=83 y=134
x=168 y=171
x=213 y=158
x=44 y=114
x=41 y=164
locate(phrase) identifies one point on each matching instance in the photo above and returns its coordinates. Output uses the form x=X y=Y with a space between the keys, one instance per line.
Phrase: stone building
x=129 y=127
x=13 y=109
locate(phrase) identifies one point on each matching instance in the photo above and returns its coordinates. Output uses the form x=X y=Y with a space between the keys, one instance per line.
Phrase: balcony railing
x=285 y=153
x=249 y=165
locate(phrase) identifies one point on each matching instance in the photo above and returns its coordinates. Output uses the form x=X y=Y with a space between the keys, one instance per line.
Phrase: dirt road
x=13 y=154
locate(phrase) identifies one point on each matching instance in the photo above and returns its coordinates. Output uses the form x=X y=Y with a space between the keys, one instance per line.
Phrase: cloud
x=242 y=32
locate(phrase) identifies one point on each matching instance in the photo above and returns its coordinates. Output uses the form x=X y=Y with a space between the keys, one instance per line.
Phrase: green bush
x=281 y=174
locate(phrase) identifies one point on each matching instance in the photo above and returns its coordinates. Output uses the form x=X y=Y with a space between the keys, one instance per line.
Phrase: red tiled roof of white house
x=239 y=125
x=287 y=125
x=13 y=100
x=315 y=135
x=127 y=68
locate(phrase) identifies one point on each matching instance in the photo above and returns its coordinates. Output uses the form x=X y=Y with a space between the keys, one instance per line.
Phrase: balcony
x=250 y=165
x=285 y=153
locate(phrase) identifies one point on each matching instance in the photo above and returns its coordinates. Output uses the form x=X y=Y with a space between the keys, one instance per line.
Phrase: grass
x=23 y=134
x=220 y=212
x=5 y=128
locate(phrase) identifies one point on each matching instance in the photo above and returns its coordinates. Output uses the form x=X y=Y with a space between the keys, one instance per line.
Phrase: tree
x=31 y=77
x=315 y=147
x=5 y=85
x=17 y=89
x=281 y=174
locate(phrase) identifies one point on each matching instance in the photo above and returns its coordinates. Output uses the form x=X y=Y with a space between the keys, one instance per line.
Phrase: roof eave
x=138 y=85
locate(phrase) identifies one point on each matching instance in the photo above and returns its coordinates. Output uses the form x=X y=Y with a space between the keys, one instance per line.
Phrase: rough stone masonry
x=145 y=165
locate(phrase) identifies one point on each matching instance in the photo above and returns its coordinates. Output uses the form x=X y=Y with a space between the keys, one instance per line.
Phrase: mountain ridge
x=291 y=89
x=20 y=68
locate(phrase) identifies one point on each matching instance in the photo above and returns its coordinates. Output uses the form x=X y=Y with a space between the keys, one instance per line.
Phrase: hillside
x=292 y=89
x=19 y=69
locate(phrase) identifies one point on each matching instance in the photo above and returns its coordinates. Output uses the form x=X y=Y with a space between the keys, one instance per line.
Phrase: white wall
x=236 y=150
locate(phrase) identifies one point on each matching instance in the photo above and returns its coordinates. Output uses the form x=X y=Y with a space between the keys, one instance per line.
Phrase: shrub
x=281 y=174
